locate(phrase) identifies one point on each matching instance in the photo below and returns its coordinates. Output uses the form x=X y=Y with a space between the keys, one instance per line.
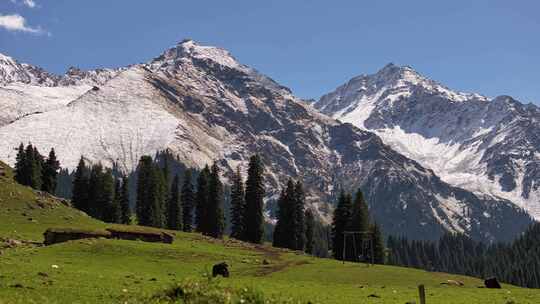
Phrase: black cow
x=221 y=269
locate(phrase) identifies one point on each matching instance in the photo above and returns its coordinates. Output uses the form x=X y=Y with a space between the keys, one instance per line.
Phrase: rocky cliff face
x=488 y=146
x=203 y=105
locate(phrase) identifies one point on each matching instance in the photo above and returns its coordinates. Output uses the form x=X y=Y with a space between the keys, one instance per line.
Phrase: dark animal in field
x=221 y=269
x=492 y=283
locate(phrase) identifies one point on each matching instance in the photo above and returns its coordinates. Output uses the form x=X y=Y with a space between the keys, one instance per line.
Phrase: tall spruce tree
x=80 y=186
x=94 y=191
x=32 y=167
x=340 y=222
x=282 y=221
x=188 y=201
x=21 y=170
x=254 y=220
x=144 y=194
x=201 y=201
x=378 y=243
x=310 y=226
x=50 y=173
x=359 y=222
x=174 y=213
x=299 y=228
x=125 y=209
x=216 y=220
x=238 y=206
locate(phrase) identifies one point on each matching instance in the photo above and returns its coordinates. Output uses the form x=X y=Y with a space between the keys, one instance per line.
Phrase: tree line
x=34 y=170
x=515 y=263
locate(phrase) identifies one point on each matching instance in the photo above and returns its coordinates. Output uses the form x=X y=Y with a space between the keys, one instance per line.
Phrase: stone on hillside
x=221 y=269
x=492 y=283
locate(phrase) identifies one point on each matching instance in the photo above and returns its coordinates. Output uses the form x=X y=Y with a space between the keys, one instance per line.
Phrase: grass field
x=118 y=271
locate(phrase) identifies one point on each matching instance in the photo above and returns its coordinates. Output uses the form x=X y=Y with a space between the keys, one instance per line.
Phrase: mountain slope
x=490 y=147
x=203 y=105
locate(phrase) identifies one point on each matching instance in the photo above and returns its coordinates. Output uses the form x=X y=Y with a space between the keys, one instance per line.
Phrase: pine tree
x=238 y=206
x=201 y=201
x=21 y=172
x=378 y=243
x=146 y=192
x=216 y=221
x=342 y=216
x=188 y=202
x=174 y=214
x=282 y=222
x=94 y=191
x=298 y=228
x=359 y=222
x=310 y=226
x=254 y=220
x=116 y=208
x=50 y=173
x=36 y=169
x=125 y=217
x=80 y=187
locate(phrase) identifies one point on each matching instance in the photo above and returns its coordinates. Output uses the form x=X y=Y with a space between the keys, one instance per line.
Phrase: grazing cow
x=221 y=269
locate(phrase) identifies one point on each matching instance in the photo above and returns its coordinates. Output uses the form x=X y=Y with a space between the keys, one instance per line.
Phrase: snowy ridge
x=486 y=146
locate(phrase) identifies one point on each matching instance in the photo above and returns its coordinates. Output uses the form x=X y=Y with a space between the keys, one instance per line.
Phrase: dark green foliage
x=101 y=194
x=21 y=173
x=125 y=210
x=188 y=201
x=515 y=263
x=254 y=220
x=290 y=230
x=35 y=162
x=359 y=222
x=80 y=187
x=174 y=213
x=340 y=222
x=298 y=223
x=150 y=194
x=50 y=173
x=378 y=243
x=238 y=206
x=201 y=201
x=64 y=184
x=310 y=226
x=216 y=221
x=116 y=209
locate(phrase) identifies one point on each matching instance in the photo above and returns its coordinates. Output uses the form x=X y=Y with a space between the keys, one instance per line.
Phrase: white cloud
x=18 y=23
x=28 y=3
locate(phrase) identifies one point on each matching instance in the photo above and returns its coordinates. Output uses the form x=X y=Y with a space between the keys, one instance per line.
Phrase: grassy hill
x=118 y=271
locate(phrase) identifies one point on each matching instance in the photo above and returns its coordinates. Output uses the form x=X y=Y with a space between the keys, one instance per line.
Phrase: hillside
x=114 y=271
x=203 y=105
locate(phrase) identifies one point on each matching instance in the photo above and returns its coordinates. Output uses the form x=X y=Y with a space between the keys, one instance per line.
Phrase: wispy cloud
x=28 y=3
x=17 y=23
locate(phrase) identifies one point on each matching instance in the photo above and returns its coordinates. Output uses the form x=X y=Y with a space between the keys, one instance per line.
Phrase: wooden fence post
x=422 y=294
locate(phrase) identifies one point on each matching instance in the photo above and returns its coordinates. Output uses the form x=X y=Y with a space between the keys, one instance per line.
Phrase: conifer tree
x=50 y=172
x=116 y=209
x=238 y=206
x=37 y=169
x=31 y=173
x=340 y=222
x=80 y=187
x=216 y=221
x=174 y=213
x=310 y=226
x=188 y=201
x=298 y=227
x=145 y=196
x=279 y=229
x=359 y=222
x=201 y=201
x=378 y=243
x=21 y=172
x=125 y=217
x=94 y=188
x=254 y=220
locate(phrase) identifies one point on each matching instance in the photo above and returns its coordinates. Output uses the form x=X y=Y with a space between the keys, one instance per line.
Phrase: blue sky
x=490 y=47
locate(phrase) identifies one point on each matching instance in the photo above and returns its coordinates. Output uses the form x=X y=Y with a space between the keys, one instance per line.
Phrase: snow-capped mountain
x=488 y=146
x=26 y=89
x=203 y=105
